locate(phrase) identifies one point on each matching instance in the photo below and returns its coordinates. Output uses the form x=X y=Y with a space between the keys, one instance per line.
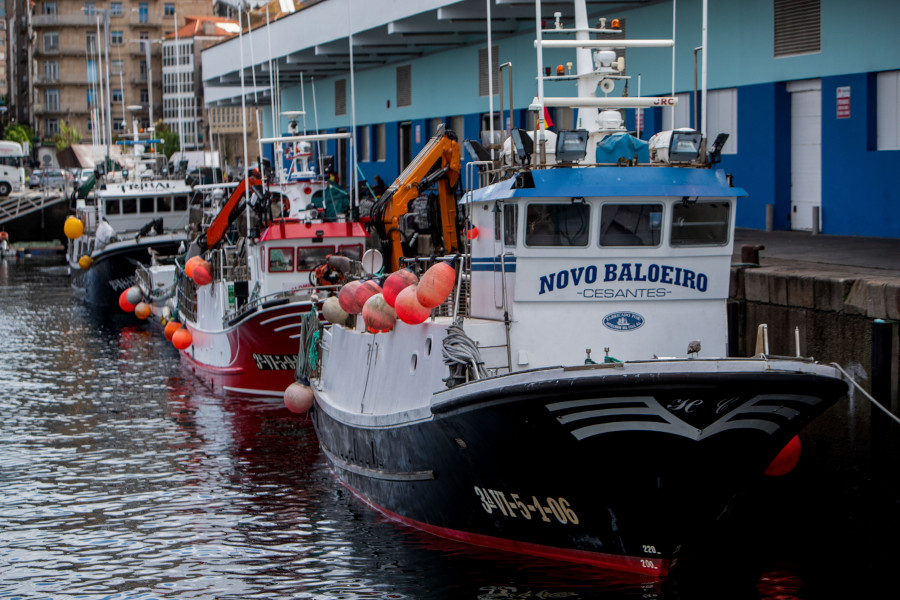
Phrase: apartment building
x=87 y=55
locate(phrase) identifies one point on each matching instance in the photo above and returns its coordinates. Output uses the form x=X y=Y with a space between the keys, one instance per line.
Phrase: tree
x=66 y=137
x=171 y=141
x=20 y=133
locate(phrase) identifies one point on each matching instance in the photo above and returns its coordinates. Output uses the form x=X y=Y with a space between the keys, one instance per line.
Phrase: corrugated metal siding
x=404 y=85
x=340 y=97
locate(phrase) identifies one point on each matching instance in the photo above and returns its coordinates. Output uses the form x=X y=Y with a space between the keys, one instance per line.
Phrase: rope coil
x=462 y=355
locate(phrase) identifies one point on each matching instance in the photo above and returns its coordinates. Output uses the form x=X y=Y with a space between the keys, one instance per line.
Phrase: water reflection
x=124 y=477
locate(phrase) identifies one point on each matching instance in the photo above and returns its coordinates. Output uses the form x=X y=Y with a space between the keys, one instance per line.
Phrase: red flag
x=547 y=119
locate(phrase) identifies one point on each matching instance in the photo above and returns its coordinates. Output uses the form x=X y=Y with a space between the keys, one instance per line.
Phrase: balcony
x=38 y=21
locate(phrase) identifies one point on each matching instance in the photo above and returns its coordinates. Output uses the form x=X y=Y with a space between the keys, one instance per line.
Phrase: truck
x=12 y=167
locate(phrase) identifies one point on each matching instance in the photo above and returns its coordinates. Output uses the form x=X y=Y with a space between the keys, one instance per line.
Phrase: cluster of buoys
x=132 y=300
x=403 y=296
x=199 y=270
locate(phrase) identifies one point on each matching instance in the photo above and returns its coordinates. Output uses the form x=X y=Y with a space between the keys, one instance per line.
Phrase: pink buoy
x=786 y=460
x=202 y=273
x=378 y=315
x=436 y=284
x=347 y=298
x=298 y=398
x=408 y=308
x=366 y=290
x=396 y=282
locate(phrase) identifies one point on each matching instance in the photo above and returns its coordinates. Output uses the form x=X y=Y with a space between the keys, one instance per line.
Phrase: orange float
x=408 y=308
x=395 y=283
x=142 y=310
x=378 y=315
x=171 y=328
x=436 y=285
x=182 y=339
x=190 y=264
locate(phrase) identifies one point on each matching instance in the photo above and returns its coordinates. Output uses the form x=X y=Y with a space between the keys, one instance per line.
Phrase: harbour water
x=122 y=476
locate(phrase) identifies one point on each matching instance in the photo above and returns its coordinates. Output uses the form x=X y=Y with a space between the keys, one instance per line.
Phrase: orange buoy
x=171 y=328
x=347 y=298
x=786 y=460
x=202 y=273
x=298 y=397
x=73 y=228
x=182 y=338
x=124 y=304
x=190 y=264
x=142 y=310
x=84 y=262
x=395 y=282
x=436 y=284
x=378 y=315
x=408 y=308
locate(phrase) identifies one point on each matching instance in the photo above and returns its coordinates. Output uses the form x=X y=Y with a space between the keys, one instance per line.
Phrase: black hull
x=112 y=271
x=622 y=472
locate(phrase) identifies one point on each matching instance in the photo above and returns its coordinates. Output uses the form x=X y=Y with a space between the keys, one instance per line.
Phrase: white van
x=12 y=167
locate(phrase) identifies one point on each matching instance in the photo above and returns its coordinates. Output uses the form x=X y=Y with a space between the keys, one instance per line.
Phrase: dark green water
x=121 y=476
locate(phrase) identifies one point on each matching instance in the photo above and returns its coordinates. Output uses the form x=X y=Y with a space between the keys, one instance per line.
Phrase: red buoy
x=202 y=273
x=190 y=264
x=408 y=308
x=347 y=298
x=124 y=304
x=298 y=397
x=378 y=314
x=171 y=328
x=786 y=460
x=395 y=283
x=436 y=284
x=366 y=290
x=182 y=339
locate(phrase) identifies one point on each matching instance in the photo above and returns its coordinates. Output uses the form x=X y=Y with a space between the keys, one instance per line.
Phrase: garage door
x=806 y=151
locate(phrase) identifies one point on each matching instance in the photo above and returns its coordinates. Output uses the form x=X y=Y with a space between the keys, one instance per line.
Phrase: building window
x=169 y=9
x=119 y=125
x=52 y=127
x=678 y=116
x=116 y=66
x=340 y=97
x=51 y=70
x=380 y=143
x=722 y=117
x=888 y=110
x=90 y=8
x=51 y=41
x=365 y=145
x=143 y=35
x=143 y=12
x=483 y=69
x=90 y=42
x=91 y=98
x=115 y=9
x=798 y=27
x=404 y=85
x=49 y=8
x=91 y=71
x=145 y=95
x=117 y=95
x=51 y=100
x=116 y=38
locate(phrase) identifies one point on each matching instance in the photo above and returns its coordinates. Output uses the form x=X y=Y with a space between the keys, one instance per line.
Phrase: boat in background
x=128 y=215
x=491 y=422
x=266 y=273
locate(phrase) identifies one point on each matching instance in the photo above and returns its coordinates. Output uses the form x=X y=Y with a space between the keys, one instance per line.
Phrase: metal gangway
x=19 y=204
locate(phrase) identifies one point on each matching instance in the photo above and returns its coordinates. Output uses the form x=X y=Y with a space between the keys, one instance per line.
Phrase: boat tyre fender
x=275 y=302
x=241 y=317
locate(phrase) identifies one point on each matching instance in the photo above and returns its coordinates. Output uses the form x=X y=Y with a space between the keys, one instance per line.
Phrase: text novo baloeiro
x=652 y=273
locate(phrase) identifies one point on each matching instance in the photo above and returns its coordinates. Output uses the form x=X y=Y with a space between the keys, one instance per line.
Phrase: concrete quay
x=830 y=287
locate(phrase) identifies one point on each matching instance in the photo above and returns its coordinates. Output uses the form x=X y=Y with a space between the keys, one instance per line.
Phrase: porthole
x=412 y=364
x=427 y=347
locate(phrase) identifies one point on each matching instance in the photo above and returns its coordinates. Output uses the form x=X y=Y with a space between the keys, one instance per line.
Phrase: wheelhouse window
x=354 y=251
x=181 y=202
x=113 y=207
x=129 y=206
x=630 y=224
x=164 y=204
x=510 y=218
x=281 y=260
x=147 y=204
x=310 y=257
x=700 y=224
x=557 y=224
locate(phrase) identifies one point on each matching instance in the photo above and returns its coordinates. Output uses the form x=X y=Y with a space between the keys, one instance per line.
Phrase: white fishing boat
x=572 y=397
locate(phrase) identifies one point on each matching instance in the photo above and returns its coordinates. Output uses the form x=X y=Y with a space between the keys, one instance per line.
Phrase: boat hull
x=255 y=354
x=112 y=270
x=617 y=471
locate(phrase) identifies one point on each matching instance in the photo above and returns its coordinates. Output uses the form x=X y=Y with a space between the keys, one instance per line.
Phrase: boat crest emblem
x=623 y=321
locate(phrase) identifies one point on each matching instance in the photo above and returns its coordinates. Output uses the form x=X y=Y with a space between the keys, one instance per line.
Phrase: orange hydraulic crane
x=422 y=173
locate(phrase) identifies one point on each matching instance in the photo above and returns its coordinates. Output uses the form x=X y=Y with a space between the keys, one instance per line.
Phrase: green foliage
x=20 y=133
x=171 y=141
x=66 y=137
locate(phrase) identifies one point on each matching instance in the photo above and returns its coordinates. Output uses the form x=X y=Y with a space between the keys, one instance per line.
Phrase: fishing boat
x=570 y=396
x=266 y=272
x=129 y=214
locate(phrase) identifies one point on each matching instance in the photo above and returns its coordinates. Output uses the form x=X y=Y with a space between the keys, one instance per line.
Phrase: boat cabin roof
x=293 y=229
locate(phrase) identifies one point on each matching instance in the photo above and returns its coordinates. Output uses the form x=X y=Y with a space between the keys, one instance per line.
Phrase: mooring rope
x=461 y=353
x=866 y=394
x=308 y=355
